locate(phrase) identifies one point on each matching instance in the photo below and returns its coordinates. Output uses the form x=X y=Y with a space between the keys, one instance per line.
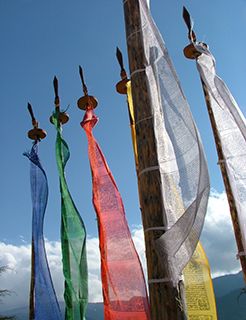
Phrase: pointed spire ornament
x=86 y=101
x=36 y=133
x=63 y=117
x=121 y=85
x=224 y=113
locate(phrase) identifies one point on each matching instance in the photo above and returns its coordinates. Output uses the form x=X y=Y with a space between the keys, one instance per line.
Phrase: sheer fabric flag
x=231 y=126
x=124 y=290
x=199 y=293
x=44 y=297
x=73 y=238
x=132 y=122
x=181 y=159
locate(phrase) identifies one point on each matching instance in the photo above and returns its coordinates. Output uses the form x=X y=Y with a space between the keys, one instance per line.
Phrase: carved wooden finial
x=63 y=117
x=121 y=85
x=36 y=133
x=87 y=101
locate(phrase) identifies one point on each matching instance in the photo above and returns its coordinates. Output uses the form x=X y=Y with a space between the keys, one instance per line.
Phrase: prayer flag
x=124 y=289
x=43 y=301
x=73 y=238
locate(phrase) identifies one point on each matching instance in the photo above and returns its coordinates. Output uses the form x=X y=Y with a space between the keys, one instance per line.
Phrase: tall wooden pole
x=166 y=301
x=230 y=196
x=32 y=285
x=35 y=134
x=190 y=52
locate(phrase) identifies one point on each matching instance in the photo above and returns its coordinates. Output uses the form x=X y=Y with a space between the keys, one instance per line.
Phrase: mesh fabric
x=73 y=239
x=199 y=293
x=181 y=160
x=231 y=126
x=45 y=301
x=124 y=290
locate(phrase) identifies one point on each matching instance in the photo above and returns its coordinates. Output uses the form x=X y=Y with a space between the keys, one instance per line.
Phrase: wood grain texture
x=166 y=301
x=230 y=197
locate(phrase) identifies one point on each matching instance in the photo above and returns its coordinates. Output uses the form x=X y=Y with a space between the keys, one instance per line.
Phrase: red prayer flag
x=123 y=284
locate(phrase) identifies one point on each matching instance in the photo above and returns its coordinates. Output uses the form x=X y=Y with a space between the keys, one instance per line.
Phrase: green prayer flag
x=73 y=239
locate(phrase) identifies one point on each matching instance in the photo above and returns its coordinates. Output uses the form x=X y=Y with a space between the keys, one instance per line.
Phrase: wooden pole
x=191 y=52
x=223 y=168
x=166 y=301
x=32 y=285
x=35 y=134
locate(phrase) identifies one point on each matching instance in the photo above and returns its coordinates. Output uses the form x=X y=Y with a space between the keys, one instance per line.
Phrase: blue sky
x=40 y=39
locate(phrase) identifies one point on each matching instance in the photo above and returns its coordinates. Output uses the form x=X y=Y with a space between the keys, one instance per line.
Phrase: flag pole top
x=63 y=117
x=87 y=101
x=190 y=51
x=36 y=133
x=121 y=85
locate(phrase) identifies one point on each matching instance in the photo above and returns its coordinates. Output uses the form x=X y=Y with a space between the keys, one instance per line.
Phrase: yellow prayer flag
x=199 y=292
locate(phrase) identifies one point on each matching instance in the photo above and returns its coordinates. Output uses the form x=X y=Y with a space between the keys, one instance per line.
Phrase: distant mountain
x=95 y=311
x=232 y=306
x=19 y=313
x=230 y=297
x=230 y=300
x=225 y=284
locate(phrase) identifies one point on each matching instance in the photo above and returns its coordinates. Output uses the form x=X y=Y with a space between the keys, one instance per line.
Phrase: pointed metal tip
x=189 y=23
x=83 y=80
x=81 y=72
x=29 y=107
x=81 y=75
x=55 y=84
x=185 y=11
x=120 y=58
x=187 y=18
x=118 y=53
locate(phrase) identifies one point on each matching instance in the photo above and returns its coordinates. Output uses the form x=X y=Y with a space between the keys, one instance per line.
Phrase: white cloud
x=217 y=239
x=17 y=277
x=138 y=239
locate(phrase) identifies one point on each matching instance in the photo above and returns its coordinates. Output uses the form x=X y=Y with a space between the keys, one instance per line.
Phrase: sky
x=40 y=39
